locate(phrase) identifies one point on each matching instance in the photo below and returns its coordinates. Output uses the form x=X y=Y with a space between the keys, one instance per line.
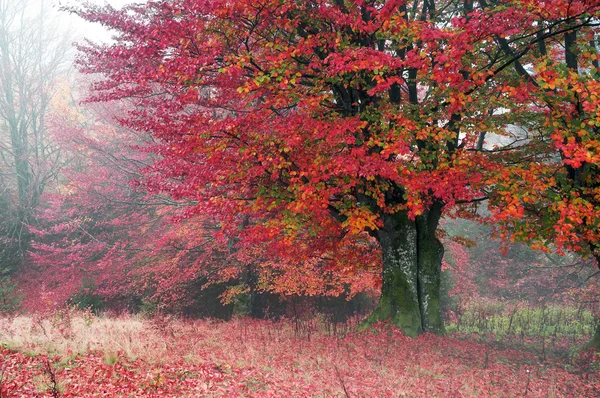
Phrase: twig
x=339 y=376
x=2 y=370
x=527 y=385
x=53 y=382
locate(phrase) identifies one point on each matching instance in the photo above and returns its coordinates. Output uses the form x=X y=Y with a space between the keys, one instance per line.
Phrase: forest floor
x=74 y=354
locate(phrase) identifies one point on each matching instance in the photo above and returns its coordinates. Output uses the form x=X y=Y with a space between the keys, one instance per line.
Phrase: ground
x=80 y=355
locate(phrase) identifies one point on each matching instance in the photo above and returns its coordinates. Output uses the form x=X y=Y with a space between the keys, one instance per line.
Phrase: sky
x=82 y=29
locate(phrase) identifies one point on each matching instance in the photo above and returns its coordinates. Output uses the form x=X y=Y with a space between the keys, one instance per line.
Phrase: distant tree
x=33 y=52
x=482 y=266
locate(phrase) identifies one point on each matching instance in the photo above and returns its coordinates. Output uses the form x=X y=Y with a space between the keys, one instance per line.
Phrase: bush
x=87 y=298
x=10 y=299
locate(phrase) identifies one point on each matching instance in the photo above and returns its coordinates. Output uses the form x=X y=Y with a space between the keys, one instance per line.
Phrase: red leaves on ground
x=247 y=358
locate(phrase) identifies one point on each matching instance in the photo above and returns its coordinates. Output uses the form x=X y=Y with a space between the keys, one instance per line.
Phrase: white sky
x=94 y=32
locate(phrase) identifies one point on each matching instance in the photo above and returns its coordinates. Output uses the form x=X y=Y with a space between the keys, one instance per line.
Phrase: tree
x=32 y=54
x=484 y=267
x=344 y=117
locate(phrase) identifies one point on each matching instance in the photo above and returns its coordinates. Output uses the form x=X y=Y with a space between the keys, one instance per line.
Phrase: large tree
x=328 y=116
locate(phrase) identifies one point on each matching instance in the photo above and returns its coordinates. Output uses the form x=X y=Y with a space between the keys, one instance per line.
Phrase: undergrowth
x=72 y=353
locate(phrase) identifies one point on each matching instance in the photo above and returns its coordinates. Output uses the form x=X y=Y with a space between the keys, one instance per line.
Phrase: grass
x=129 y=336
x=553 y=330
x=168 y=357
x=501 y=319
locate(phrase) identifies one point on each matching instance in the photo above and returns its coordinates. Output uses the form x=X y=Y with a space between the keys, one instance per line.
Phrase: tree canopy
x=308 y=126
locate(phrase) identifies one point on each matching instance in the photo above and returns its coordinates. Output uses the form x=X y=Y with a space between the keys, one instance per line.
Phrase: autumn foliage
x=320 y=128
x=430 y=167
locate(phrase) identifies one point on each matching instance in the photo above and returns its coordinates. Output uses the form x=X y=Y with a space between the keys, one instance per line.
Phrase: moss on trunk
x=430 y=252
x=411 y=273
x=399 y=301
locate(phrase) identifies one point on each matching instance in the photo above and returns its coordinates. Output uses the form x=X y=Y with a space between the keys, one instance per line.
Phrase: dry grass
x=158 y=340
x=72 y=333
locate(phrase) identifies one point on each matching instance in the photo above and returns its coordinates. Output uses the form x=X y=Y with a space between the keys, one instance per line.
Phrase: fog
x=81 y=28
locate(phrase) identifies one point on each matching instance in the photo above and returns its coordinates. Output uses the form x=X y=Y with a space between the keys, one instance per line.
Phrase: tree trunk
x=595 y=342
x=412 y=258
x=430 y=252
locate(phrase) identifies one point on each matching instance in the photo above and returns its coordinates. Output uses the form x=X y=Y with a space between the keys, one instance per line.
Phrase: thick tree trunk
x=412 y=258
x=399 y=300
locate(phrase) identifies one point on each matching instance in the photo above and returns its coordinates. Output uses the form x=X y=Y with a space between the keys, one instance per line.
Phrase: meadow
x=71 y=353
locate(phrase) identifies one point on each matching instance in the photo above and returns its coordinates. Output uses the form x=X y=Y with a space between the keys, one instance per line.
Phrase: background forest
x=300 y=198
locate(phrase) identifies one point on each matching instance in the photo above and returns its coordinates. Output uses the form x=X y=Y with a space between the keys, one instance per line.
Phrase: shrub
x=10 y=299
x=87 y=298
